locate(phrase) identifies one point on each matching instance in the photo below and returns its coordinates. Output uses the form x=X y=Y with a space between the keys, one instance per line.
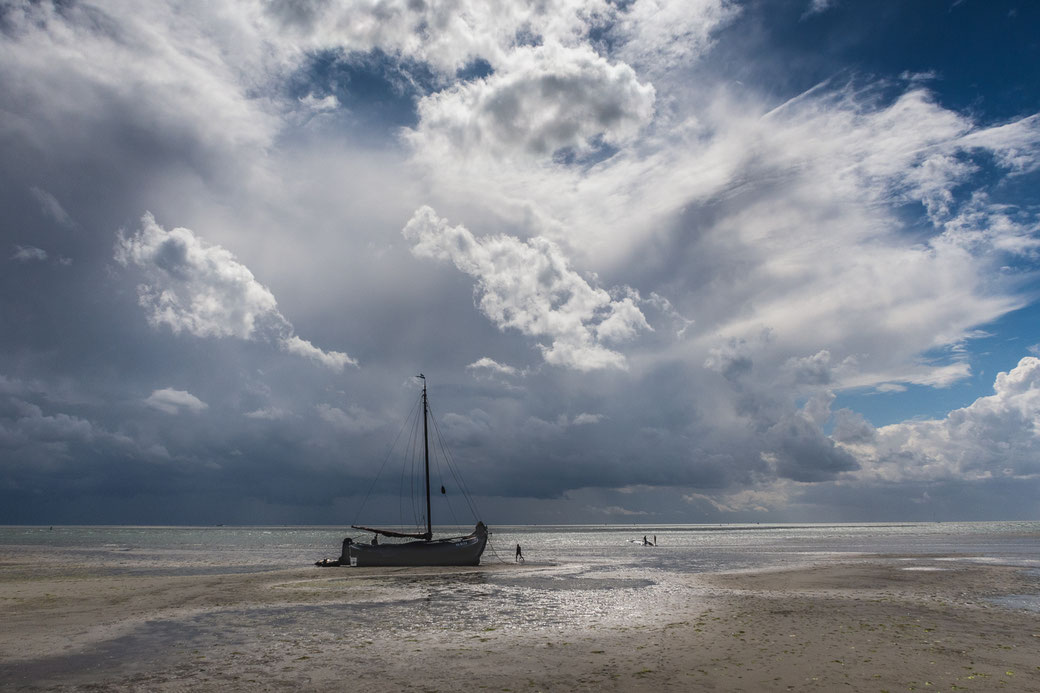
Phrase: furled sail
x=391 y=533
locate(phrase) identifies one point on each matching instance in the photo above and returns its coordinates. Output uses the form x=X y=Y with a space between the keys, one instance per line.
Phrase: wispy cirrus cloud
x=28 y=253
x=52 y=208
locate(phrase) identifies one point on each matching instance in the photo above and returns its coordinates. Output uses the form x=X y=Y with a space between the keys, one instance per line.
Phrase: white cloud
x=195 y=287
x=335 y=360
x=657 y=34
x=319 y=105
x=584 y=419
x=355 y=420
x=530 y=286
x=28 y=253
x=818 y=6
x=174 y=401
x=1014 y=143
x=615 y=510
x=52 y=208
x=268 y=414
x=204 y=290
x=796 y=216
x=823 y=258
x=995 y=436
x=754 y=500
x=185 y=70
x=541 y=100
x=446 y=35
x=489 y=364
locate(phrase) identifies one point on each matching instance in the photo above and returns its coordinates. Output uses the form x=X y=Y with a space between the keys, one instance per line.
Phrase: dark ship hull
x=440 y=552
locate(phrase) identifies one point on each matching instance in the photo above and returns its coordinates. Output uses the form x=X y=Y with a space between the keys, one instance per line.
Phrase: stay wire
x=409 y=472
x=372 y=485
x=440 y=478
x=452 y=467
x=491 y=546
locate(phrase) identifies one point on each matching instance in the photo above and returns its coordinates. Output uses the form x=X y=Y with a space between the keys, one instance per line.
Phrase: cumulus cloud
x=530 y=287
x=173 y=401
x=445 y=35
x=492 y=366
x=997 y=436
x=542 y=100
x=448 y=36
x=335 y=360
x=196 y=287
x=204 y=290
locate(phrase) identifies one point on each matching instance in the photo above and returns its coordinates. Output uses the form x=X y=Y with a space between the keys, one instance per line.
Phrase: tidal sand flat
x=869 y=607
x=863 y=623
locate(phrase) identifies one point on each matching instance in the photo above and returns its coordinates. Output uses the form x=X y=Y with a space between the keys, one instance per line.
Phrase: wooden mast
x=426 y=457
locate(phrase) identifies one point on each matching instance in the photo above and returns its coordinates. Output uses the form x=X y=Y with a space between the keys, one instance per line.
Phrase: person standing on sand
x=519 y=555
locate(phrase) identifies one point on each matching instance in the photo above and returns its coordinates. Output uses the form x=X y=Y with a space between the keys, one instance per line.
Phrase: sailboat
x=423 y=550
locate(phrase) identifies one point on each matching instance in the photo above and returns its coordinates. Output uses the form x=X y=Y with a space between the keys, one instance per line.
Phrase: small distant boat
x=424 y=550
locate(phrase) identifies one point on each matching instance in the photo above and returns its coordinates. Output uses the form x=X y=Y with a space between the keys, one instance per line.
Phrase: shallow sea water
x=575 y=578
x=680 y=548
x=585 y=576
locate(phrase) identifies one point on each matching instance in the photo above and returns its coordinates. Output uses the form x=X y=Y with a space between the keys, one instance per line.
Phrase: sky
x=661 y=262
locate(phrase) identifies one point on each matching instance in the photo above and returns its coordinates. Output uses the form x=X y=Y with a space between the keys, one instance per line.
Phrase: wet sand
x=861 y=624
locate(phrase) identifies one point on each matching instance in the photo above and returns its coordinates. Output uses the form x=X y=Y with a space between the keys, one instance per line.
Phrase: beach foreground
x=863 y=624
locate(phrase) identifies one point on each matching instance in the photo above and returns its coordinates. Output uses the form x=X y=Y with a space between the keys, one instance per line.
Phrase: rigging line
x=401 y=481
x=379 y=473
x=467 y=496
x=440 y=477
x=415 y=469
x=452 y=466
x=408 y=454
x=492 y=547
